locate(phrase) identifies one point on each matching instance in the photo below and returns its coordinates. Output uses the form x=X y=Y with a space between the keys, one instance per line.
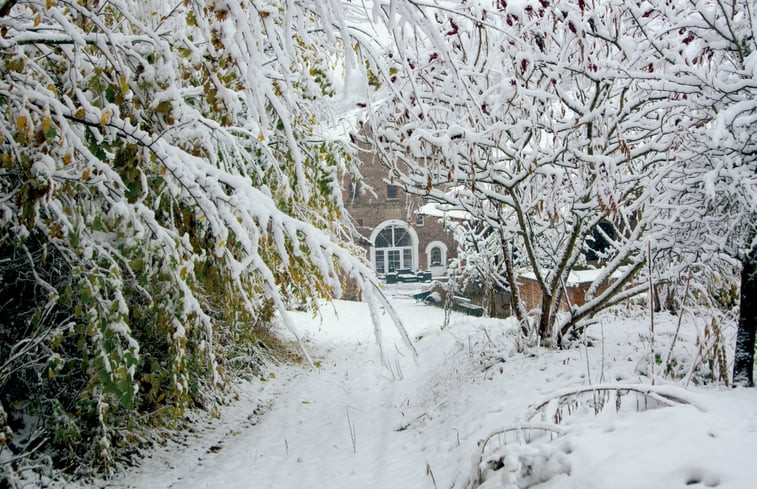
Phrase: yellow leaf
x=37 y=20
x=22 y=123
x=52 y=88
x=261 y=138
x=67 y=159
x=105 y=118
x=49 y=4
x=85 y=174
x=79 y=114
x=46 y=123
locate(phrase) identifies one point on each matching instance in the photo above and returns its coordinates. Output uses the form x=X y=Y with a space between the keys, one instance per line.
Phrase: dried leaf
x=22 y=124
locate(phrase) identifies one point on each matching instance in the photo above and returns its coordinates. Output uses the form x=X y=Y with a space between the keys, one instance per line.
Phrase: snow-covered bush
x=167 y=188
x=578 y=134
x=530 y=117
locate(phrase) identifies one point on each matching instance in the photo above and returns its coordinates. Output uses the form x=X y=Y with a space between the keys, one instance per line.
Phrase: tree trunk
x=743 y=365
x=517 y=303
x=546 y=321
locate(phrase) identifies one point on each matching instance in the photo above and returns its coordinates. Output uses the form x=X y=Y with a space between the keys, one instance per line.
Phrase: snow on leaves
x=173 y=160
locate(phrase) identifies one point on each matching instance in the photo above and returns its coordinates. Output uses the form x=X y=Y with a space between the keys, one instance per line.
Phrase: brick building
x=394 y=230
x=579 y=282
x=404 y=231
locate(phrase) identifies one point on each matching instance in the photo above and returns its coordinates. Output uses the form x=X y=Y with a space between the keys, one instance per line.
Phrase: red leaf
x=454 y=29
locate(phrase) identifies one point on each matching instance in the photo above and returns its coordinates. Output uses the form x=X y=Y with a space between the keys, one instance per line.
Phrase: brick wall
x=370 y=207
x=530 y=293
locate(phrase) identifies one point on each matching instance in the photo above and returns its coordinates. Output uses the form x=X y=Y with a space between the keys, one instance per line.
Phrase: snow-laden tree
x=710 y=205
x=532 y=116
x=167 y=187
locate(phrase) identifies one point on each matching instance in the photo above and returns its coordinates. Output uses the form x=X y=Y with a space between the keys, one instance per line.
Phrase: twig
x=353 y=435
x=651 y=312
x=678 y=326
x=429 y=472
x=586 y=352
x=602 y=367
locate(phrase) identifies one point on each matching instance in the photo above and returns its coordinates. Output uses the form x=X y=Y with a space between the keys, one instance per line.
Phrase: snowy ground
x=354 y=423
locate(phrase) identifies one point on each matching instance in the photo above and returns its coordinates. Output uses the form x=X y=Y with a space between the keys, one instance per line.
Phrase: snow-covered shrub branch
x=534 y=118
x=709 y=203
x=168 y=186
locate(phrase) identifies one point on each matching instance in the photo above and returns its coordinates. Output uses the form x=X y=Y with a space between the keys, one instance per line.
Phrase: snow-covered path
x=329 y=428
x=350 y=423
x=354 y=423
x=347 y=424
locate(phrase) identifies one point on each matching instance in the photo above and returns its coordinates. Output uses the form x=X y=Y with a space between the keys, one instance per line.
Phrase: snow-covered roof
x=434 y=209
x=578 y=276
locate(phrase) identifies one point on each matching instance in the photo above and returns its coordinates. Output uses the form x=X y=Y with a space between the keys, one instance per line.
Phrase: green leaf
x=104 y=376
x=85 y=295
x=127 y=399
x=131 y=359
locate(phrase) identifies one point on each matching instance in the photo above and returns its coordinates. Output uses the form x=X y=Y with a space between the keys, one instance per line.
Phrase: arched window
x=394 y=245
x=435 y=256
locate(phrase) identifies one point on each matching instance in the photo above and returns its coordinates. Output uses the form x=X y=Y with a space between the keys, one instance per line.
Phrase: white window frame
x=404 y=250
x=444 y=251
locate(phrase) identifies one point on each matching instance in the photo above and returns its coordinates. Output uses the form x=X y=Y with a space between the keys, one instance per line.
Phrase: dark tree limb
x=743 y=365
x=6 y=6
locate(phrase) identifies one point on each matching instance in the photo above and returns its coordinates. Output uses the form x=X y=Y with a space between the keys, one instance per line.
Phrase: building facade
x=394 y=231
